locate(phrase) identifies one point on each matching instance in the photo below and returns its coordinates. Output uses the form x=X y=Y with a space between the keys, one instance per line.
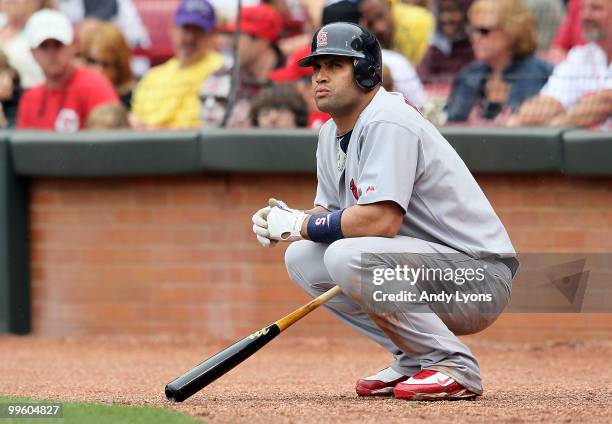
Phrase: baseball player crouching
x=392 y=194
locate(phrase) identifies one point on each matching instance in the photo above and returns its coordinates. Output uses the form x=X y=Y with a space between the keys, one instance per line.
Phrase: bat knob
x=173 y=395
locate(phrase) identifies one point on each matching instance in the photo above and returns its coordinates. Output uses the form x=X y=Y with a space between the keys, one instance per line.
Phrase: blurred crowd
x=68 y=65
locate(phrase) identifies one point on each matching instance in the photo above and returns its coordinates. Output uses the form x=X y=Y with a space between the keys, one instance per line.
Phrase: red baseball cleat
x=379 y=384
x=431 y=385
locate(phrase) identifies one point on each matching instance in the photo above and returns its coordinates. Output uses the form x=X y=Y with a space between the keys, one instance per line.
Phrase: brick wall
x=176 y=256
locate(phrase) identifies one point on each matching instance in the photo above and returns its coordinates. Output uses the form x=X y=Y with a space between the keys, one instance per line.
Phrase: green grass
x=78 y=412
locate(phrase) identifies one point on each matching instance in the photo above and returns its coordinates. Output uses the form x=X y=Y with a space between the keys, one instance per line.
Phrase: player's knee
x=298 y=256
x=295 y=255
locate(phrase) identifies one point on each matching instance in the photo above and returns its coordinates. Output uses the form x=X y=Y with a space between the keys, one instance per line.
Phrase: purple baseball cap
x=199 y=13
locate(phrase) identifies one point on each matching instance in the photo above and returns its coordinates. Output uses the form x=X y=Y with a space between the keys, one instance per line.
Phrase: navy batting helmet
x=349 y=40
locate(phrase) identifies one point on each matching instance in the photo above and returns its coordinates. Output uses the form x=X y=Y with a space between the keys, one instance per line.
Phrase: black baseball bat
x=219 y=364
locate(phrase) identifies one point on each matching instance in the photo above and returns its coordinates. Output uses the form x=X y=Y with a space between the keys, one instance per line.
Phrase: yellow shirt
x=414 y=26
x=168 y=96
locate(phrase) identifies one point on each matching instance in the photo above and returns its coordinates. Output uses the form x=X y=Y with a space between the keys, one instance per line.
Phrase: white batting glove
x=260 y=224
x=260 y=227
x=285 y=224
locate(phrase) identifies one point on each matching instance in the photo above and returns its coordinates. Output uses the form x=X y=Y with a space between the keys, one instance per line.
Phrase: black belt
x=511 y=263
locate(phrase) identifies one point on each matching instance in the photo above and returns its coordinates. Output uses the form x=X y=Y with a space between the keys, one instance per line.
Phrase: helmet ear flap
x=366 y=74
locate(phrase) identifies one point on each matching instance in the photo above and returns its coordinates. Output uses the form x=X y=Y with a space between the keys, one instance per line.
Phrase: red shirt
x=66 y=108
x=316 y=119
x=569 y=33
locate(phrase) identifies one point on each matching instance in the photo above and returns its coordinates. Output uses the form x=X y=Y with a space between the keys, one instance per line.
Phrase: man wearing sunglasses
x=69 y=94
x=579 y=93
x=506 y=71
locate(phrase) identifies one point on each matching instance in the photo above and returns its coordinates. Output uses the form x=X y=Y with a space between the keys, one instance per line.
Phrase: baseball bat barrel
x=219 y=364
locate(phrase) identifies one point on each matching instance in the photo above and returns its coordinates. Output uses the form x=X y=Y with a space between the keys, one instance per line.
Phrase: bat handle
x=296 y=315
x=217 y=365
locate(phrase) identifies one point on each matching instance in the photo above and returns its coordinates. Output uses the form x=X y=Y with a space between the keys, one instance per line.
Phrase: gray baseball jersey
x=395 y=154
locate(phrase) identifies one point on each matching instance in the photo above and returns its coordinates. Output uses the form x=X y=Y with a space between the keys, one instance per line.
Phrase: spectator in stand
x=405 y=78
x=13 y=16
x=506 y=72
x=214 y=97
x=10 y=92
x=401 y=27
x=122 y=13
x=569 y=34
x=85 y=33
x=450 y=47
x=387 y=79
x=258 y=55
x=279 y=106
x=403 y=74
x=108 y=117
x=109 y=53
x=548 y=15
x=69 y=94
x=341 y=11
x=168 y=95
x=579 y=93
x=301 y=78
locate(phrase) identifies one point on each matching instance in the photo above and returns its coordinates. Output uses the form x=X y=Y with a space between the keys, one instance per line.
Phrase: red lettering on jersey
x=413 y=106
x=369 y=189
x=353 y=188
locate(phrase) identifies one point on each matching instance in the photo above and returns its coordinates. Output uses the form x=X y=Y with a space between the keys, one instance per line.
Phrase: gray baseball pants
x=419 y=339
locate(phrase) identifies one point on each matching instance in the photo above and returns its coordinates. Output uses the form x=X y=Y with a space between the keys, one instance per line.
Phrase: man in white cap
x=64 y=101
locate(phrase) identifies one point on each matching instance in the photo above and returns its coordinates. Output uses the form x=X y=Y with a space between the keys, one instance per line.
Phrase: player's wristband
x=325 y=227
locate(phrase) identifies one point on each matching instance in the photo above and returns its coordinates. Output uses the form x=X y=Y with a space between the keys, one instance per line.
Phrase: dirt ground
x=311 y=380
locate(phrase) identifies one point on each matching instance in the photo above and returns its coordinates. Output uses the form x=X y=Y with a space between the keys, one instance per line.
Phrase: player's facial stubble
x=334 y=88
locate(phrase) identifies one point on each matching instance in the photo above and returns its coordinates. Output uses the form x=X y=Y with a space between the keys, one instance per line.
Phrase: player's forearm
x=381 y=219
x=540 y=110
x=375 y=220
x=593 y=110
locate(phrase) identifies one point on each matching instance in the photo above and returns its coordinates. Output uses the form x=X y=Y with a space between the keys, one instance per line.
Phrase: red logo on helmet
x=322 y=39
x=353 y=188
